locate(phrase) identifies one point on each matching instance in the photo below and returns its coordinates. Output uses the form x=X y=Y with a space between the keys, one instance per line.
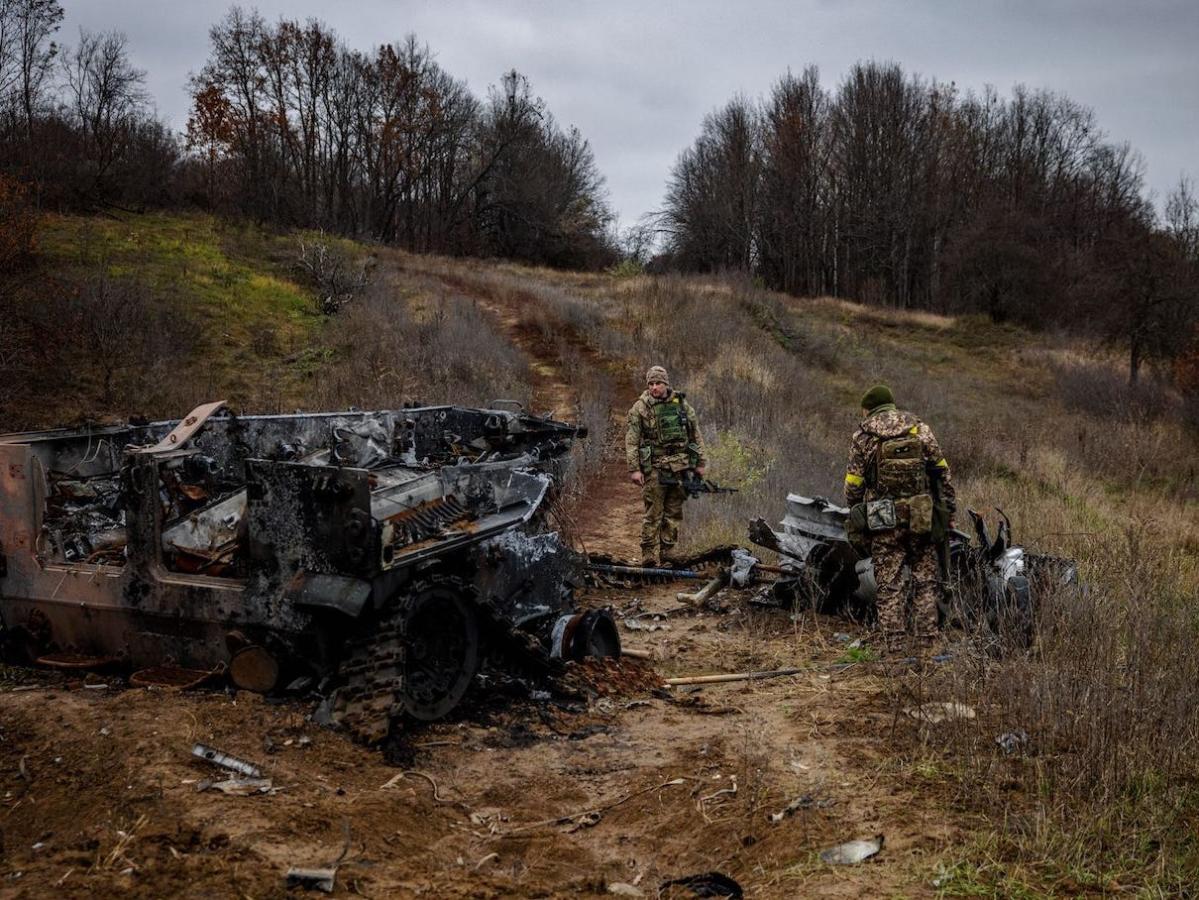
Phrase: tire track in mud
x=606 y=514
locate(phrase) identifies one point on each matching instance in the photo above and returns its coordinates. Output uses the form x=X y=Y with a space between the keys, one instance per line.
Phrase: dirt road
x=516 y=795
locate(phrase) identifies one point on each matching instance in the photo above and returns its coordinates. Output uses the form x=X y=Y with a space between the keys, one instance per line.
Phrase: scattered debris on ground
x=934 y=713
x=707 y=884
x=852 y=852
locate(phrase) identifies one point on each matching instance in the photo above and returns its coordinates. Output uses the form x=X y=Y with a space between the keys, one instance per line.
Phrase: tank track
x=369 y=700
x=373 y=670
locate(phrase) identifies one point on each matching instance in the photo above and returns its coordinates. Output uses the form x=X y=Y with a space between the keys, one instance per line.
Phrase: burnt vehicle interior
x=203 y=490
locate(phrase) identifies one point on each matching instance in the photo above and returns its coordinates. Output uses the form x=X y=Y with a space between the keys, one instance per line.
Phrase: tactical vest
x=670 y=425
x=899 y=471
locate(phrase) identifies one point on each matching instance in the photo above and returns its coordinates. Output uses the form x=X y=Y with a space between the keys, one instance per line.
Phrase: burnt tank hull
x=190 y=541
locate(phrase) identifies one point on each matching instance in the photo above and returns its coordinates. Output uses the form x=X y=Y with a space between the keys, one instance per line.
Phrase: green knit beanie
x=877 y=396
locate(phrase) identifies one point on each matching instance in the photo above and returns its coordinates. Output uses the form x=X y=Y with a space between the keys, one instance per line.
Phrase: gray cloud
x=637 y=78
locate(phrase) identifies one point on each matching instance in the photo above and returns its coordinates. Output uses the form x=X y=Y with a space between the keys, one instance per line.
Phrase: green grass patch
x=863 y=654
x=218 y=270
x=739 y=464
x=252 y=321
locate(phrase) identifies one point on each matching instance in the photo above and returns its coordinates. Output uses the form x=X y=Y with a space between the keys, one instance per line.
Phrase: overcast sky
x=638 y=77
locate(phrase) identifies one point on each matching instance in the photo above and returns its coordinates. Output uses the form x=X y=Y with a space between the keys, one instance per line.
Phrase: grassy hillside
x=152 y=314
x=1038 y=425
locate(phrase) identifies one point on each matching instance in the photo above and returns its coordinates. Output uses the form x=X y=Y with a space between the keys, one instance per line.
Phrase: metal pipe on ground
x=643 y=571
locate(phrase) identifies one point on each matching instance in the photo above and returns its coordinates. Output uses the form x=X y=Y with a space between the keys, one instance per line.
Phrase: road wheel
x=439 y=628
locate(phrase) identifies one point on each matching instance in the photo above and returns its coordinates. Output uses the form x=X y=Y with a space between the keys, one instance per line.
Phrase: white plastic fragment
x=852 y=852
x=621 y=889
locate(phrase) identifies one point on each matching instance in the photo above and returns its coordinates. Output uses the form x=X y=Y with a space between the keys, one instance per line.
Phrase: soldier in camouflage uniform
x=662 y=439
x=896 y=468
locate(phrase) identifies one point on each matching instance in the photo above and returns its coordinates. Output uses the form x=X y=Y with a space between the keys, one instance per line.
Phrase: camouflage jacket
x=641 y=451
x=888 y=422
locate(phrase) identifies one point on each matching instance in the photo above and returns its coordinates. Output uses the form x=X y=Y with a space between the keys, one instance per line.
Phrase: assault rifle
x=690 y=481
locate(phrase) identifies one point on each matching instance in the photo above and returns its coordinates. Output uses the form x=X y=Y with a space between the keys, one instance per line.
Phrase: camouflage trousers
x=907 y=600
x=663 y=515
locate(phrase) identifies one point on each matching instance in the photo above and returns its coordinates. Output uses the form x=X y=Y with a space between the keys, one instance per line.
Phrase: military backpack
x=901 y=485
x=899 y=470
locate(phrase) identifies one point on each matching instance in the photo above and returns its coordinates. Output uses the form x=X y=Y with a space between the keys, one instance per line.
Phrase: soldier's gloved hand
x=700 y=470
x=637 y=478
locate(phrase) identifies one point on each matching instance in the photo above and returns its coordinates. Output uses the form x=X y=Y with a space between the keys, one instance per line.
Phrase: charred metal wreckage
x=993 y=583
x=380 y=555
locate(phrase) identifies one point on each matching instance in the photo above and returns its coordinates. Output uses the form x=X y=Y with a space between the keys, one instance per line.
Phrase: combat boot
x=902 y=655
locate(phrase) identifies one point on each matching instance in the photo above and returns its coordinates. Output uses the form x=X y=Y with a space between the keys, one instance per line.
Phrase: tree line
x=76 y=130
x=291 y=127
x=888 y=188
x=896 y=190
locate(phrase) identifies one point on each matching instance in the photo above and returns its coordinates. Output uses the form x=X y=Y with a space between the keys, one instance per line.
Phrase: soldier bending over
x=897 y=471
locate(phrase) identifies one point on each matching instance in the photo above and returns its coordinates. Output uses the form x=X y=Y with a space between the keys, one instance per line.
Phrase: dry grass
x=412 y=341
x=1104 y=798
x=1084 y=468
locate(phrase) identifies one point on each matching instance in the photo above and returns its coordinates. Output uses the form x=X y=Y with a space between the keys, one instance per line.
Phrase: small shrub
x=627 y=268
x=1103 y=391
x=736 y=463
x=330 y=270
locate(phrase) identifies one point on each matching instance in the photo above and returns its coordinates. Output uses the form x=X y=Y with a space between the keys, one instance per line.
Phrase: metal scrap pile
x=991 y=580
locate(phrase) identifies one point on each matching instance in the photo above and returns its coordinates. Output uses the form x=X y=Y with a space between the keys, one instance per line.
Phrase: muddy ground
x=615 y=785
x=99 y=792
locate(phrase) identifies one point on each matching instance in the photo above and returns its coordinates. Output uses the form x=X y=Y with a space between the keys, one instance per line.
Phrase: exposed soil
x=617 y=781
x=607 y=513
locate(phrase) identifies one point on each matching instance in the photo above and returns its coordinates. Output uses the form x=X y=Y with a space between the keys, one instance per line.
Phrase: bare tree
x=107 y=97
x=336 y=277
x=1182 y=219
x=9 y=69
x=792 y=212
x=33 y=23
x=711 y=211
x=637 y=241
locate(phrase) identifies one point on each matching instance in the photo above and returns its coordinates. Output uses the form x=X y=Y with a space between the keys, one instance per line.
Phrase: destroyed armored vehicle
x=379 y=556
x=994 y=584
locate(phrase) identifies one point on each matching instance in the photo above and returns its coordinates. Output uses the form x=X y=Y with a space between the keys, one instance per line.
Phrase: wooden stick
x=735 y=676
x=778 y=673
x=703 y=594
x=636 y=654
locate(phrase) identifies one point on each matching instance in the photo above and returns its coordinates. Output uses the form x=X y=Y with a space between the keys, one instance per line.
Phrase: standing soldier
x=662 y=441
x=897 y=471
